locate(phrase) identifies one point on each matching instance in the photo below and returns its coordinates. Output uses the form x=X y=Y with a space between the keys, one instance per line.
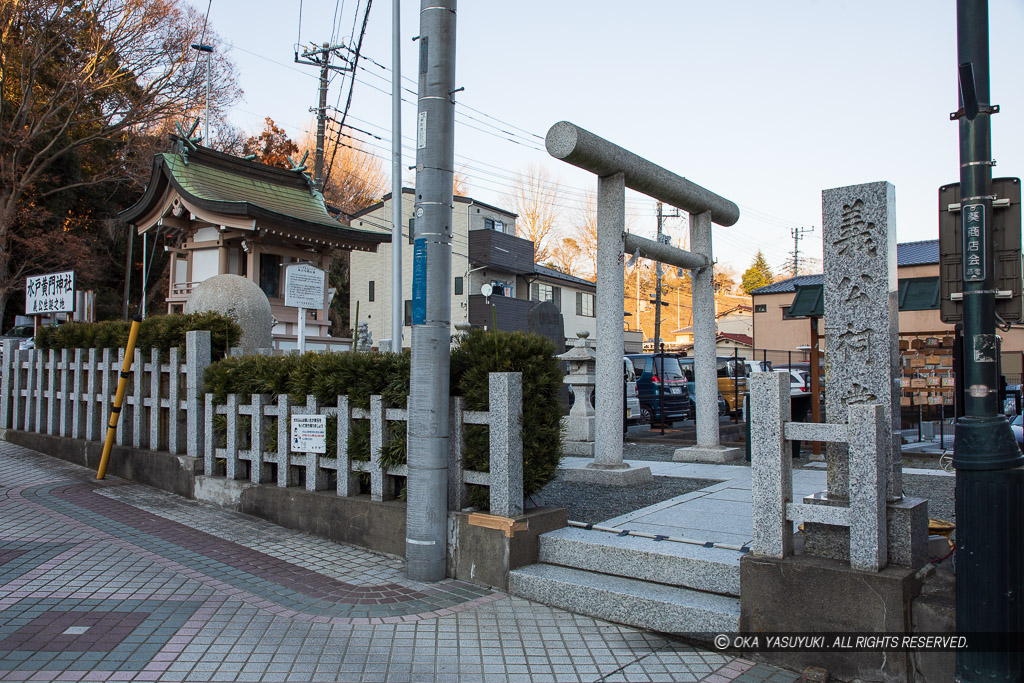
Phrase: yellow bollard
x=122 y=385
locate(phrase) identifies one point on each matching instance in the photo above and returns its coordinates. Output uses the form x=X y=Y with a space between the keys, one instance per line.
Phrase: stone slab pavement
x=113 y=581
x=721 y=513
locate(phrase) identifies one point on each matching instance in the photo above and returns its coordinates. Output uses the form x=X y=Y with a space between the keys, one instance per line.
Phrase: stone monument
x=578 y=426
x=243 y=300
x=364 y=338
x=545 y=319
x=862 y=359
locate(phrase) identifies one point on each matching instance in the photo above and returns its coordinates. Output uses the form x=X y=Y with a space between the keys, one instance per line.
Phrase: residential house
x=485 y=251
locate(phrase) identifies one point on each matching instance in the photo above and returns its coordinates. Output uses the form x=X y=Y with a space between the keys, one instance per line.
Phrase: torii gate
x=616 y=169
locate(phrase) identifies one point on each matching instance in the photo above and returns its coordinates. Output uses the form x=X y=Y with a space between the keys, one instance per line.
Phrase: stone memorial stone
x=241 y=299
x=545 y=319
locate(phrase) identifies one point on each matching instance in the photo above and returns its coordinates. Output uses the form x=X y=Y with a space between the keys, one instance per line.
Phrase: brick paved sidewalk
x=112 y=581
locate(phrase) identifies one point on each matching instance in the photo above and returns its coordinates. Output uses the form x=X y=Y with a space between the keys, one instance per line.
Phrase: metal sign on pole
x=304 y=287
x=989 y=477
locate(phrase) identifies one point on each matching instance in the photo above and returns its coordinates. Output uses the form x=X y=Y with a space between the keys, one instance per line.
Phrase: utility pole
x=427 y=506
x=321 y=57
x=397 y=322
x=798 y=234
x=989 y=477
x=657 y=293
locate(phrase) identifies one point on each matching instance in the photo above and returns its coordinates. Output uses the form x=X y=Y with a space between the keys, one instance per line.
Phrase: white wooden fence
x=70 y=393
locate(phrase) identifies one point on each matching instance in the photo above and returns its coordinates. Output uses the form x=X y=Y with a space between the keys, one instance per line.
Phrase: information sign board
x=304 y=286
x=51 y=293
x=309 y=433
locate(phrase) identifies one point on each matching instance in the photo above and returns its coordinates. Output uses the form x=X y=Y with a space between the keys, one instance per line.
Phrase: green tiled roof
x=225 y=184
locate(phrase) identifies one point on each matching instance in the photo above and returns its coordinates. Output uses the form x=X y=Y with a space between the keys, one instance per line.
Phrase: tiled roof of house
x=907 y=254
x=737 y=338
x=565 y=277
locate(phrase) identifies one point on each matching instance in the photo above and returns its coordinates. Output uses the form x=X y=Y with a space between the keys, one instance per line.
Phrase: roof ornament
x=301 y=168
x=186 y=141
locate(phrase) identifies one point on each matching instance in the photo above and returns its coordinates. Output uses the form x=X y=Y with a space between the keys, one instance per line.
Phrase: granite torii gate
x=616 y=169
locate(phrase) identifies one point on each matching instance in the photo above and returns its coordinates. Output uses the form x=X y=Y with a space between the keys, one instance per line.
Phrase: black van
x=660 y=384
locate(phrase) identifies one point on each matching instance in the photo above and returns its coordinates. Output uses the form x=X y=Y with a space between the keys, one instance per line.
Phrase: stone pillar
x=705 y=375
x=608 y=467
x=861 y=365
x=579 y=425
x=861 y=319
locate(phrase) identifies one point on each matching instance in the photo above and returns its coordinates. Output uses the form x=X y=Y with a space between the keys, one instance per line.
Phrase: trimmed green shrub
x=161 y=332
x=360 y=375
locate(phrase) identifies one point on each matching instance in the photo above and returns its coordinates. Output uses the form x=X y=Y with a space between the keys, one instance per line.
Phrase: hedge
x=161 y=332
x=360 y=375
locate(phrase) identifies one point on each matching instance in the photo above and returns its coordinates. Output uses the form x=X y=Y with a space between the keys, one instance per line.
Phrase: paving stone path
x=112 y=581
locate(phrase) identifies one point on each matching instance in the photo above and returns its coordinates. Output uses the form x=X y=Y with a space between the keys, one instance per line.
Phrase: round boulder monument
x=241 y=299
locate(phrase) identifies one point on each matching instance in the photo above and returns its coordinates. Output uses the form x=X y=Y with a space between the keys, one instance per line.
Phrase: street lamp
x=208 y=49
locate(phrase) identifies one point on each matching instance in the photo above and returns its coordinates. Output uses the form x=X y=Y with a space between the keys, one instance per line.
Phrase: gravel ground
x=593 y=503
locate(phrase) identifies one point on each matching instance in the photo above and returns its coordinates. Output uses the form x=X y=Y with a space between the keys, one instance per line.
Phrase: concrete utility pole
x=989 y=477
x=397 y=316
x=427 y=506
x=322 y=58
x=798 y=234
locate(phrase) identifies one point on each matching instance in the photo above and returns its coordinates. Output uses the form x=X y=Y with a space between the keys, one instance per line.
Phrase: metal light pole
x=427 y=504
x=397 y=296
x=989 y=479
x=206 y=116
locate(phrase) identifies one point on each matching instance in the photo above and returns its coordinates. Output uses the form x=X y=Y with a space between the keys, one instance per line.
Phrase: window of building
x=760 y=308
x=489 y=223
x=542 y=292
x=412 y=230
x=370 y=294
x=408 y=312
x=585 y=304
x=919 y=294
x=270 y=275
x=458 y=286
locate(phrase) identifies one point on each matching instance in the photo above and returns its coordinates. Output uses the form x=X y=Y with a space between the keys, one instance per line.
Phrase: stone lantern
x=578 y=427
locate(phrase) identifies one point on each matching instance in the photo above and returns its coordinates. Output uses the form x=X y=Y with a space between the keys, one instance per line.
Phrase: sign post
x=304 y=287
x=50 y=293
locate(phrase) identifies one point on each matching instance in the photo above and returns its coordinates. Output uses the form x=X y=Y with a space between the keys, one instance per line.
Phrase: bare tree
x=80 y=83
x=534 y=197
x=564 y=256
x=357 y=178
x=585 y=233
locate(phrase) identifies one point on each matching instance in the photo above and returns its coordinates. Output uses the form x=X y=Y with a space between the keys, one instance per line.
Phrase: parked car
x=1018 y=430
x=732 y=380
x=20 y=333
x=799 y=382
x=660 y=381
x=753 y=366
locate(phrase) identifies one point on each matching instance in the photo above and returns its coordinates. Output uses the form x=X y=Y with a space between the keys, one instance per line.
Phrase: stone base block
x=581 y=448
x=811 y=594
x=906 y=529
x=710 y=454
x=613 y=476
x=485 y=556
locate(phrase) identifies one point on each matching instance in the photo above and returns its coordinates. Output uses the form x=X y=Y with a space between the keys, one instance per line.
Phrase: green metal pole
x=985 y=453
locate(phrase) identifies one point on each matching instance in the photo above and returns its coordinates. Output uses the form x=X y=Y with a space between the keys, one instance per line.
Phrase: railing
x=245 y=456
x=70 y=394
x=771 y=473
x=181 y=291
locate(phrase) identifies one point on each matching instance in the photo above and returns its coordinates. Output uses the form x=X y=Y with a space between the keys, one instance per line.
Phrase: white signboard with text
x=309 y=433
x=51 y=293
x=304 y=286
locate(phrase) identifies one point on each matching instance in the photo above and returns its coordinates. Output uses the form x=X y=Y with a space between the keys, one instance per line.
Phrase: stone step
x=676 y=564
x=642 y=604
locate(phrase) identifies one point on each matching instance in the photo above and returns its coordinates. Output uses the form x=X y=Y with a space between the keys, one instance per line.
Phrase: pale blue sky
x=765 y=103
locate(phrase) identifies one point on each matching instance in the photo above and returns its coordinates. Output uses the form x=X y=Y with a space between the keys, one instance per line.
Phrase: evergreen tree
x=758 y=274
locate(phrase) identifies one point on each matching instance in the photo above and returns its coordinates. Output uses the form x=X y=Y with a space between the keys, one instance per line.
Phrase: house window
x=760 y=308
x=489 y=223
x=408 y=312
x=412 y=230
x=458 y=286
x=542 y=292
x=371 y=293
x=492 y=224
x=585 y=304
x=270 y=274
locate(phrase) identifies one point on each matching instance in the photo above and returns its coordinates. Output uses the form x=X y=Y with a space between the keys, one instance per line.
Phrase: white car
x=799 y=383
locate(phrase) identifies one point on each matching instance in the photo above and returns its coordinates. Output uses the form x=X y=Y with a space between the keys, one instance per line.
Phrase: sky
x=764 y=103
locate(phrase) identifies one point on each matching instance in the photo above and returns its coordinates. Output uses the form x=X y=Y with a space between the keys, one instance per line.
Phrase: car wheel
x=646 y=416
